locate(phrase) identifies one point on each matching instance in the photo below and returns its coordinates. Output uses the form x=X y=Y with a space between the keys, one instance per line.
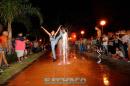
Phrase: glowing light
x=82 y=32
x=40 y=40
x=64 y=48
x=70 y=38
x=74 y=35
x=106 y=80
x=102 y=22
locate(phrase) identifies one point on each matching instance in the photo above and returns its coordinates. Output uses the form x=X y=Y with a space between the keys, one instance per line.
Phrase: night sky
x=85 y=13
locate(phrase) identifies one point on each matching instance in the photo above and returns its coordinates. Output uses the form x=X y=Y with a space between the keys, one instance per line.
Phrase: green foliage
x=9 y=9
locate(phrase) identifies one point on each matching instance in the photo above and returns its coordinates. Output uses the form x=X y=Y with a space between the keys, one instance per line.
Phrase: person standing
x=53 y=40
x=20 y=47
x=129 y=46
x=81 y=48
x=125 y=40
x=4 y=41
x=3 y=48
x=105 y=43
x=129 y=49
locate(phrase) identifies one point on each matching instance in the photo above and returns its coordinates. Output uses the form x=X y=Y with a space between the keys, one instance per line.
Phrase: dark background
x=83 y=14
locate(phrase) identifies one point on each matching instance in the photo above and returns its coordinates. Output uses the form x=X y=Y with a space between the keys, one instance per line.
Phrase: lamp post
x=82 y=33
x=102 y=23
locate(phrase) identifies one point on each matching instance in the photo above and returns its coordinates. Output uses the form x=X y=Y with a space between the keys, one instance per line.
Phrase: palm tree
x=10 y=9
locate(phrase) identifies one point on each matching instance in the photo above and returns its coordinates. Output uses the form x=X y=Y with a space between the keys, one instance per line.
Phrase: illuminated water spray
x=64 y=48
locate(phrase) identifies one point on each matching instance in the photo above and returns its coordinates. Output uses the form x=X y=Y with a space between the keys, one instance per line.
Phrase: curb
x=4 y=81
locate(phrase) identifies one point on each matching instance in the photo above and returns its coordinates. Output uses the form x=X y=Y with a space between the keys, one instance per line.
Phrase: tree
x=10 y=9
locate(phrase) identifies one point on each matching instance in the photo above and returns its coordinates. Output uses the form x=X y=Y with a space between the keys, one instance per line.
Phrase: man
x=4 y=41
x=105 y=43
x=4 y=48
x=124 y=40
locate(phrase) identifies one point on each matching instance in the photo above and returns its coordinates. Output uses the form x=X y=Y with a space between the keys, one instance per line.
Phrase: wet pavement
x=81 y=66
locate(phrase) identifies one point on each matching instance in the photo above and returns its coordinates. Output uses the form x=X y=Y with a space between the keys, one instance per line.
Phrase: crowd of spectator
x=21 y=47
x=113 y=45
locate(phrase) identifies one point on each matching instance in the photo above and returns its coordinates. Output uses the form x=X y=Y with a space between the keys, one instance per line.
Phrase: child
x=119 y=54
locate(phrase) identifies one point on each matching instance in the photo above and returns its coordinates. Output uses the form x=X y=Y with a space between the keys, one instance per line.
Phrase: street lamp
x=102 y=23
x=73 y=36
x=82 y=32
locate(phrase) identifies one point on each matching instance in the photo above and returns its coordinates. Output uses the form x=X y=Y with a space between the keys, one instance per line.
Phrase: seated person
x=119 y=54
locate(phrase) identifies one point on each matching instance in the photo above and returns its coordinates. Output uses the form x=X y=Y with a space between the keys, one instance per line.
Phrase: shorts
x=19 y=53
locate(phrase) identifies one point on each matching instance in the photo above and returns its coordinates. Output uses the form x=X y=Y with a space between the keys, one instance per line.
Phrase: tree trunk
x=9 y=37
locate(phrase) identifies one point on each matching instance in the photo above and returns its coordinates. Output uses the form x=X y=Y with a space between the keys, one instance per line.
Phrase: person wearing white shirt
x=124 y=40
x=119 y=54
x=105 y=43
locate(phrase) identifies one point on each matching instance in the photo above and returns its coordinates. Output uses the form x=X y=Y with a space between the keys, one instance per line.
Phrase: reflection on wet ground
x=80 y=66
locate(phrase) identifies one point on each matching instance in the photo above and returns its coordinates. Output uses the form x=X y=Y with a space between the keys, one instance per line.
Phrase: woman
x=20 y=47
x=53 y=40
